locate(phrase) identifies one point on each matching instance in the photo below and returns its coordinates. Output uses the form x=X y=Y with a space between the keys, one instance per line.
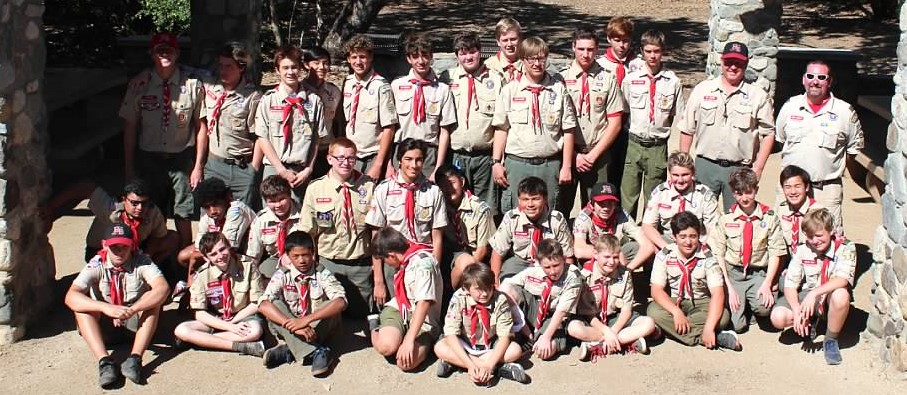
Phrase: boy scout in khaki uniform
x=161 y=112
x=135 y=288
x=599 y=108
x=619 y=57
x=748 y=244
x=732 y=122
x=289 y=122
x=224 y=296
x=268 y=232
x=424 y=105
x=475 y=89
x=228 y=116
x=797 y=203
x=318 y=65
x=818 y=283
x=821 y=134
x=691 y=308
x=507 y=62
x=368 y=107
x=302 y=303
x=603 y=216
x=470 y=224
x=546 y=295
x=409 y=323
x=523 y=229
x=410 y=204
x=681 y=193
x=333 y=212
x=477 y=331
x=654 y=99
x=534 y=121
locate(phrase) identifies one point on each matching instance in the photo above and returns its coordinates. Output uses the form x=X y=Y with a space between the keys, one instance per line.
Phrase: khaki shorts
x=391 y=317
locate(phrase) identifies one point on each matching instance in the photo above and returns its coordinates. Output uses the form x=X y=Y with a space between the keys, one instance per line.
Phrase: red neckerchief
x=585 y=101
x=510 y=68
x=795 y=227
x=651 y=98
x=536 y=111
x=683 y=201
x=403 y=304
x=165 y=104
x=289 y=104
x=478 y=314
x=608 y=226
x=686 y=279
x=302 y=285
x=282 y=230
x=604 y=294
x=227 y=289
x=419 y=99
x=621 y=68
x=823 y=276
x=472 y=101
x=746 y=253
x=215 y=114
x=409 y=207
x=544 y=303
x=115 y=281
x=133 y=223
x=348 y=218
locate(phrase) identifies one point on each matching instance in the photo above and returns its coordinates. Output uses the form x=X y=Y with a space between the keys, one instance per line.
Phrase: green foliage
x=170 y=15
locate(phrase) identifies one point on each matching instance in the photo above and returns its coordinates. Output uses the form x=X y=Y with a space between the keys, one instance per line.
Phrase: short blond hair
x=505 y=25
x=816 y=220
x=681 y=159
x=607 y=242
x=533 y=46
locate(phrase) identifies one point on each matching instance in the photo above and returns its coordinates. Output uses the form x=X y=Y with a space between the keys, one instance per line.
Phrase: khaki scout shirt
x=805 y=268
x=817 y=142
x=631 y=63
x=727 y=126
x=624 y=228
x=706 y=274
x=423 y=282
x=439 y=108
x=473 y=131
x=604 y=102
x=787 y=221
x=232 y=136
x=726 y=239
x=375 y=111
x=107 y=211
x=664 y=203
x=388 y=208
x=457 y=322
x=514 y=234
x=245 y=286
x=513 y=114
x=307 y=125
x=137 y=277
x=237 y=221
x=620 y=291
x=330 y=97
x=265 y=229
x=322 y=215
x=498 y=62
x=323 y=288
x=143 y=105
x=565 y=292
x=652 y=112
x=478 y=225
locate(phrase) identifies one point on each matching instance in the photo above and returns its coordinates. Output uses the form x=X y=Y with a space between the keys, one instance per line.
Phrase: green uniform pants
x=746 y=287
x=644 y=168
x=696 y=314
x=476 y=166
x=520 y=168
x=300 y=348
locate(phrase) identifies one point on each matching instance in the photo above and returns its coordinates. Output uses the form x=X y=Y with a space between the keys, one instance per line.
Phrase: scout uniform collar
x=294 y=213
x=174 y=79
x=834 y=244
x=804 y=207
x=371 y=76
x=675 y=251
x=609 y=54
x=465 y=204
x=293 y=272
x=479 y=74
x=524 y=220
x=598 y=275
x=504 y=62
x=309 y=84
x=232 y=267
x=827 y=105
x=352 y=181
x=420 y=179
x=546 y=82
x=576 y=71
x=285 y=91
x=431 y=76
x=126 y=266
x=759 y=211
x=743 y=88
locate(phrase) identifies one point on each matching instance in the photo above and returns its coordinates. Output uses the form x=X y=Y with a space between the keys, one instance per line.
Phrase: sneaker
x=584 y=350
x=444 y=369
x=373 y=322
x=832 y=352
x=513 y=371
x=108 y=373
x=640 y=346
x=321 y=361
x=728 y=340
x=255 y=349
x=132 y=368
x=276 y=356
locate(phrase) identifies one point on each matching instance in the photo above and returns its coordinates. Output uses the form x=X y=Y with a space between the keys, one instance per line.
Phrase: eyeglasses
x=143 y=203
x=820 y=77
x=341 y=159
x=536 y=59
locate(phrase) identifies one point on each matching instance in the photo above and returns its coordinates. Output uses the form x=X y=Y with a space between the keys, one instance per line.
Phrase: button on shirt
x=438 y=106
x=138 y=273
x=286 y=282
x=666 y=271
x=232 y=136
x=374 y=111
x=306 y=124
x=323 y=216
x=652 y=111
x=727 y=126
x=818 y=142
x=665 y=202
x=164 y=126
x=388 y=208
x=514 y=234
x=473 y=131
x=805 y=269
x=458 y=320
x=726 y=240
x=601 y=102
x=514 y=114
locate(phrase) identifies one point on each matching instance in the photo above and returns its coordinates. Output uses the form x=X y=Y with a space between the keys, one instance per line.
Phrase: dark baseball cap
x=164 y=38
x=118 y=234
x=604 y=191
x=735 y=50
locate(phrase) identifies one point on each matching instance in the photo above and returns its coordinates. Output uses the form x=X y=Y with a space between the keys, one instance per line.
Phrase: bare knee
x=781 y=317
x=839 y=298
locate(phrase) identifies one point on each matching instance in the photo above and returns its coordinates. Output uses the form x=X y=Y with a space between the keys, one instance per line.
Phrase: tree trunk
x=274 y=22
x=356 y=16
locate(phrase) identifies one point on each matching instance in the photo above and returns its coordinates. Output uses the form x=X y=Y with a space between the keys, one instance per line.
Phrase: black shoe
x=321 y=361
x=132 y=369
x=276 y=356
x=373 y=322
x=444 y=369
x=108 y=373
x=728 y=340
x=513 y=371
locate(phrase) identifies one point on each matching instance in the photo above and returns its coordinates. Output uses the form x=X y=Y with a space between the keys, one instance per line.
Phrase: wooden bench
x=874 y=153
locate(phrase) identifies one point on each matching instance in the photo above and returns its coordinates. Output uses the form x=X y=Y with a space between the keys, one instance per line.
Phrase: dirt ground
x=53 y=358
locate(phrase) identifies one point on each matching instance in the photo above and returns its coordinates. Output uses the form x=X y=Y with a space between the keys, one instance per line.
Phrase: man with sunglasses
x=821 y=134
x=732 y=122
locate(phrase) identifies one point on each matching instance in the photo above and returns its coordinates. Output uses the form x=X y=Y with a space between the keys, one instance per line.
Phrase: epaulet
x=203 y=267
x=319 y=178
x=385 y=181
x=142 y=259
x=269 y=92
x=512 y=214
x=556 y=215
x=670 y=74
x=557 y=78
x=261 y=212
x=662 y=187
x=701 y=188
x=94 y=262
x=480 y=206
x=665 y=250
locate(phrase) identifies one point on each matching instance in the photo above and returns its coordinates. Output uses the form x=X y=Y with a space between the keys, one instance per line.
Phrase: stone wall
x=26 y=260
x=215 y=22
x=754 y=23
x=888 y=315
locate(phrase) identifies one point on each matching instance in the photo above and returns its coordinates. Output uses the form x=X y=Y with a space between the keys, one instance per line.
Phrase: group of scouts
x=394 y=201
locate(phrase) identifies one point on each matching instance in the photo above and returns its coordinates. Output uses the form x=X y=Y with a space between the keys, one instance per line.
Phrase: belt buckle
x=724 y=163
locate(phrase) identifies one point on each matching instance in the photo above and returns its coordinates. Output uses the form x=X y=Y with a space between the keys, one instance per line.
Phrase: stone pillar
x=26 y=260
x=214 y=22
x=754 y=23
x=888 y=315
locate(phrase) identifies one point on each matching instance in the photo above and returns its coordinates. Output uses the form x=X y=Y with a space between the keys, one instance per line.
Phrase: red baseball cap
x=118 y=234
x=164 y=38
x=603 y=192
x=735 y=50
